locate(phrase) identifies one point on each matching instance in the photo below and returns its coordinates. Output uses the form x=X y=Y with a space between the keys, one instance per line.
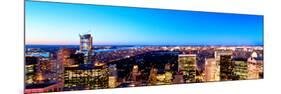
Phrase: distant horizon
x=128 y=45
x=49 y=23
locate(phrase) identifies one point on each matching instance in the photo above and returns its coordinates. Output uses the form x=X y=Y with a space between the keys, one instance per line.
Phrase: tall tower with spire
x=86 y=46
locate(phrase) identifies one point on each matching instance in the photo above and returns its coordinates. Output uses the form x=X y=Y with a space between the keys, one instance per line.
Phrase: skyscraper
x=226 y=68
x=113 y=75
x=112 y=81
x=187 y=66
x=240 y=68
x=85 y=77
x=63 y=56
x=218 y=55
x=86 y=46
x=31 y=64
x=212 y=70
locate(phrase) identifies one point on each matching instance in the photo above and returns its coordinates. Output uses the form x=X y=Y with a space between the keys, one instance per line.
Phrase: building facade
x=187 y=66
x=85 y=77
x=86 y=47
x=212 y=70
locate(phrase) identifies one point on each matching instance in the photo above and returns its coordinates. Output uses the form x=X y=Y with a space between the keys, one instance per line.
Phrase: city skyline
x=59 y=23
x=70 y=47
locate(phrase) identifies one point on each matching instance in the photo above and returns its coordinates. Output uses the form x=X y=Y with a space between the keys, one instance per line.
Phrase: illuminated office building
x=85 y=77
x=63 y=57
x=45 y=66
x=187 y=66
x=212 y=70
x=38 y=69
x=112 y=79
x=161 y=77
x=49 y=70
x=226 y=68
x=76 y=59
x=57 y=71
x=63 y=60
x=240 y=68
x=31 y=69
x=40 y=75
x=218 y=55
x=86 y=47
x=168 y=77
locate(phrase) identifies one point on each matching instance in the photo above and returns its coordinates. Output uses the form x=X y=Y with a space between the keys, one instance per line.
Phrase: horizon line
x=135 y=45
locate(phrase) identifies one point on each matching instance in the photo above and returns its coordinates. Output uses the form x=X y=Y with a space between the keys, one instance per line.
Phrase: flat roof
x=84 y=67
x=187 y=54
x=41 y=85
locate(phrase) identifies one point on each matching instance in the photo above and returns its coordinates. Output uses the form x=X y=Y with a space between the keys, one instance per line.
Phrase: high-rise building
x=86 y=43
x=57 y=71
x=40 y=76
x=218 y=55
x=86 y=47
x=31 y=64
x=63 y=60
x=113 y=75
x=112 y=81
x=160 y=78
x=187 y=66
x=240 y=68
x=85 y=77
x=63 y=56
x=168 y=77
x=226 y=68
x=212 y=70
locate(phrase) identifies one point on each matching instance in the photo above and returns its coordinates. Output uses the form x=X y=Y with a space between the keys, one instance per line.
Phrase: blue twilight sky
x=58 y=23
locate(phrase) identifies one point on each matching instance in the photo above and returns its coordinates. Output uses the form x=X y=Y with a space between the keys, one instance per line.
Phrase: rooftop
x=41 y=85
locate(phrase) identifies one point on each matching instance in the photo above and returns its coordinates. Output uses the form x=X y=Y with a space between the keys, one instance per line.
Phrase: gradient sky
x=58 y=23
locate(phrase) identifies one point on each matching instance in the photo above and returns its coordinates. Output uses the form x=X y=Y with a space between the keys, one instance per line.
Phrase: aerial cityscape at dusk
x=86 y=47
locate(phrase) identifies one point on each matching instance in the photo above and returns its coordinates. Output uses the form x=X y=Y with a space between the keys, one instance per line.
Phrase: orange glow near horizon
x=56 y=42
x=46 y=42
